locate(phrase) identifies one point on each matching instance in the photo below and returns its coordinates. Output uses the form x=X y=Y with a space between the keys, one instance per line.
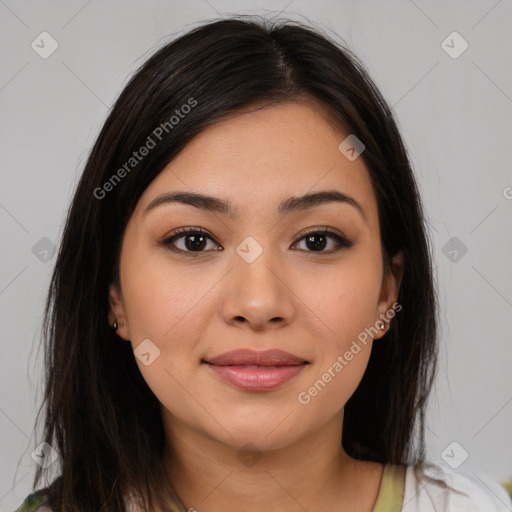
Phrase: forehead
x=257 y=158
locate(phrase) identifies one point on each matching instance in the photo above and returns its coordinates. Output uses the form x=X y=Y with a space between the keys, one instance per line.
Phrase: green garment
x=33 y=502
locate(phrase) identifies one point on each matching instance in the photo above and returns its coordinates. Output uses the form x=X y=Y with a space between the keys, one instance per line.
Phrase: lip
x=256 y=371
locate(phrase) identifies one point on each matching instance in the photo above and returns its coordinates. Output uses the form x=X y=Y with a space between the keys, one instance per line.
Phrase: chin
x=258 y=441
x=271 y=433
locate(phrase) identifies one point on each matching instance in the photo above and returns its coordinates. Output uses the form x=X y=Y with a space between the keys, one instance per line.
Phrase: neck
x=312 y=473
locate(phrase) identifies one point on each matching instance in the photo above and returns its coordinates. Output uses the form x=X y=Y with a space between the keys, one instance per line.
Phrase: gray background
x=455 y=116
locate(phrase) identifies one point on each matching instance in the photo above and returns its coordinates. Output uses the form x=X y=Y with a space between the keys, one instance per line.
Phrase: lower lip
x=257 y=379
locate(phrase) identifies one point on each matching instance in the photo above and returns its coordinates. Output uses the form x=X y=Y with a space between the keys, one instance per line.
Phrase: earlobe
x=116 y=313
x=389 y=293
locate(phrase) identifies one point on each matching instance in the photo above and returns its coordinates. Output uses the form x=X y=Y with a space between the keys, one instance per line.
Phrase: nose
x=257 y=294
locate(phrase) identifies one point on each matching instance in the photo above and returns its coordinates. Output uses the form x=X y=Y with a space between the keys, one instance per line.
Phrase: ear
x=389 y=293
x=117 y=312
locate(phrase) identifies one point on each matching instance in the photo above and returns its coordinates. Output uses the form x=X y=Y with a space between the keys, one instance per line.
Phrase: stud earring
x=382 y=326
x=114 y=326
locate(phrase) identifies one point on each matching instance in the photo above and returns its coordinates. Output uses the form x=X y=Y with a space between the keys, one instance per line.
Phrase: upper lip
x=252 y=357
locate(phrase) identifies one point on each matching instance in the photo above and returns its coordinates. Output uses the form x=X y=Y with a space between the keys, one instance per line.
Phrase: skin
x=312 y=304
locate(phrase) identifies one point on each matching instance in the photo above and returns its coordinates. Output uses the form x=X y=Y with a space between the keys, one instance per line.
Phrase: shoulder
x=432 y=488
x=35 y=502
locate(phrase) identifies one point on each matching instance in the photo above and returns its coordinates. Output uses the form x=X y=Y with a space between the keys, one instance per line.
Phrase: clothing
x=435 y=489
x=402 y=489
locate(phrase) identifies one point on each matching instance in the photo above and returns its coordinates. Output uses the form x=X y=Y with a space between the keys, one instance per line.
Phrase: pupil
x=319 y=245
x=198 y=242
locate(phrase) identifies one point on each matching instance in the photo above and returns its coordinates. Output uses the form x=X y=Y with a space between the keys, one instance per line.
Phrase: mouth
x=256 y=371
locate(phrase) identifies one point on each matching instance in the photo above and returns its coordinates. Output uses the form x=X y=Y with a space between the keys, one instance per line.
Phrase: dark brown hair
x=100 y=415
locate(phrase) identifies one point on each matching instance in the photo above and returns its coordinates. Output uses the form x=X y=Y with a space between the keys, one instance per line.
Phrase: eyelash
x=341 y=241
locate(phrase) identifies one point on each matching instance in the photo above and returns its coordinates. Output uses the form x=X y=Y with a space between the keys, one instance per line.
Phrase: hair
x=100 y=415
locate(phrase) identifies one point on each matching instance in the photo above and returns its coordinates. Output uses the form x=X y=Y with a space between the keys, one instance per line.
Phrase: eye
x=316 y=241
x=189 y=239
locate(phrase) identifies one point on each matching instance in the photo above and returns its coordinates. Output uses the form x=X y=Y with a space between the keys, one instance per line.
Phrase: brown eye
x=191 y=240
x=317 y=241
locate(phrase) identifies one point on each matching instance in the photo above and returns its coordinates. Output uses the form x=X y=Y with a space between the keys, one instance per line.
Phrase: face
x=306 y=279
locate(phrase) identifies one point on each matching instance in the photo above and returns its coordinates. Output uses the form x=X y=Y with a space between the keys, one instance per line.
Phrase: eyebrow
x=217 y=205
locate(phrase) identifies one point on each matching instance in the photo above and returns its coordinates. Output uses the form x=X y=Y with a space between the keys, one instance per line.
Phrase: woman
x=242 y=313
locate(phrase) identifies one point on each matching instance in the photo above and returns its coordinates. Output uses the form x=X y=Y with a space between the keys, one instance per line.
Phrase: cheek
x=167 y=305
x=341 y=355
x=163 y=301
x=343 y=300
x=343 y=308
